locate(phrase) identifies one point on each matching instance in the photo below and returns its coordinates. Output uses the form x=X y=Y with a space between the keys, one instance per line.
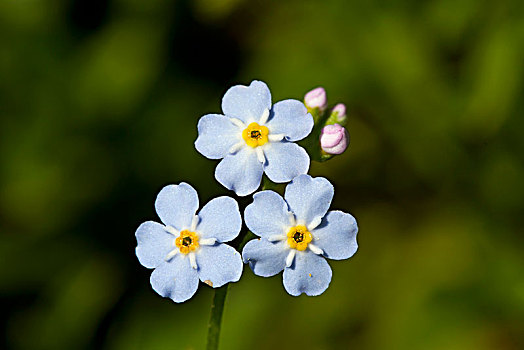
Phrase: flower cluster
x=296 y=233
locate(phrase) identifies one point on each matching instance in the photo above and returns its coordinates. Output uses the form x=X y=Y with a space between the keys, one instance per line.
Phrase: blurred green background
x=99 y=102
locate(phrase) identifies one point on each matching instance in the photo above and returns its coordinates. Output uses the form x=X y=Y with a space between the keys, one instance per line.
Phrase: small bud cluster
x=333 y=137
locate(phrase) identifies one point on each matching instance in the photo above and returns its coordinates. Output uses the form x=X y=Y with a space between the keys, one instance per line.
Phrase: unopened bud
x=334 y=139
x=316 y=98
x=339 y=112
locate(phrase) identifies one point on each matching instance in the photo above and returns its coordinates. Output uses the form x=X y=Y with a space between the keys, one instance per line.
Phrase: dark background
x=99 y=102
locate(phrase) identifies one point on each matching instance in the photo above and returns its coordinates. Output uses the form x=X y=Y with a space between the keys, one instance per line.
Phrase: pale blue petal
x=247 y=103
x=216 y=135
x=220 y=219
x=176 y=205
x=309 y=197
x=175 y=279
x=154 y=243
x=240 y=172
x=267 y=215
x=219 y=264
x=308 y=274
x=337 y=235
x=285 y=161
x=265 y=258
x=291 y=118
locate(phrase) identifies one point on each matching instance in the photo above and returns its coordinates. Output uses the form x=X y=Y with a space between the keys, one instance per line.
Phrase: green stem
x=217 y=309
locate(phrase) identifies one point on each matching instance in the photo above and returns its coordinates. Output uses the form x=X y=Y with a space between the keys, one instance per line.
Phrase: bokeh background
x=99 y=102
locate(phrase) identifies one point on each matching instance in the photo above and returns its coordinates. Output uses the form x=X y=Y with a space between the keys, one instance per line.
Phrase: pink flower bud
x=340 y=112
x=334 y=139
x=316 y=98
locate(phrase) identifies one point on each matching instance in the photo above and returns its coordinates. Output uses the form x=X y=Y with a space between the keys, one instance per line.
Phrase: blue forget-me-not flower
x=297 y=234
x=188 y=247
x=254 y=137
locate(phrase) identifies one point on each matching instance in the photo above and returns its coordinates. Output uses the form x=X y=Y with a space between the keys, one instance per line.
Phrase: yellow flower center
x=299 y=237
x=187 y=241
x=255 y=135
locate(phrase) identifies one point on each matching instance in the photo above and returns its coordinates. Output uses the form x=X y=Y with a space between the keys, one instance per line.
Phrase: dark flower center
x=186 y=241
x=255 y=134
x=298 y=237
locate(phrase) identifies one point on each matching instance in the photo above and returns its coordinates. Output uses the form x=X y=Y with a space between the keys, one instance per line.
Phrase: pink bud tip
x=316 y=98
x=340 y=110
x=334 y=139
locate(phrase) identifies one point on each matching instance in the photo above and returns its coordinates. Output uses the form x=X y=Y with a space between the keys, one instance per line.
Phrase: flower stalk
x=215 y=320
x=219 y=299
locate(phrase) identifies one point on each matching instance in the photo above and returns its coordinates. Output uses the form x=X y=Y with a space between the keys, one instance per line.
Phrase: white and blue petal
x=265 y=258
x=268 y=215
x=220 y=218
x=176 y=205
x=216 y=136
x=153 y=244
x=240 y=172
x=247 y=103
x=285 y=161
x=218 y=264
x=175 y=279
x=309 y=198
x=337 y=235
x=291 y=118
x=309 y=273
